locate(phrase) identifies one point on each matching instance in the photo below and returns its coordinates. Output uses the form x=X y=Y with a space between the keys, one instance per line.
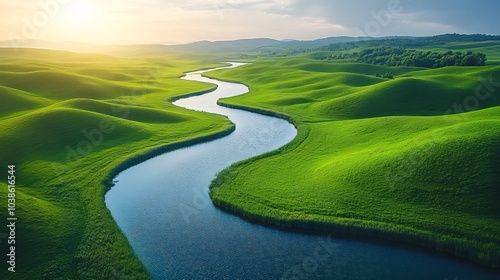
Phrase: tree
x=396 y=56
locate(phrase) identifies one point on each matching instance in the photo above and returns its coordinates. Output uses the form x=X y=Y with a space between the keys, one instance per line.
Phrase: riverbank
x=176 y=200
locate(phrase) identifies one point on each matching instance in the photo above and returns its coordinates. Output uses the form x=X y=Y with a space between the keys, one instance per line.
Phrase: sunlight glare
x=81 y=13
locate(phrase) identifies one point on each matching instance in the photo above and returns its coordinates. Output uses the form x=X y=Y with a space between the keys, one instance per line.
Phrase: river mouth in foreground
x=163 y=208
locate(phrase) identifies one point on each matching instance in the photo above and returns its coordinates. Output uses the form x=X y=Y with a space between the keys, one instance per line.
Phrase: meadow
x=414 y=159
x=70 y=122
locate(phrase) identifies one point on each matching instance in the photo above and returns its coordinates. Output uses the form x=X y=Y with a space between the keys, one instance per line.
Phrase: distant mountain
x=55 y=45
x=265 y=43
x=312 y=44
x=254 y=44
x=121 y=50
x=169 y=43
x=227 y=46
x=409 y=42
x=257 y=46
x=238 y=46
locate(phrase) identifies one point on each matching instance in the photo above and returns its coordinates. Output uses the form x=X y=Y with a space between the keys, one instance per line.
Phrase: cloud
x=147 y=21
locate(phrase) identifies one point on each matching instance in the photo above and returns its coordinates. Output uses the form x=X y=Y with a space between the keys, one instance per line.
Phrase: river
x=163 y=208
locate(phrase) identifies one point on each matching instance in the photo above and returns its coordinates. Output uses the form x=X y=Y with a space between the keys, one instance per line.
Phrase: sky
x=182 y=21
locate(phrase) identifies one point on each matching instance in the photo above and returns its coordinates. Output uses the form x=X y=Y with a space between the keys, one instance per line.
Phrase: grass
x=413 y=159
x=392 y=158
x=67 y=141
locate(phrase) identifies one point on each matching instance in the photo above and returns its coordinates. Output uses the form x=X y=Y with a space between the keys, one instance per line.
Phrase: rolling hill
x=413 y=159
x=69 y=122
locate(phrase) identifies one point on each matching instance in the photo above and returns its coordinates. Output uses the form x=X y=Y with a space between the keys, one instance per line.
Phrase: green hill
x=69 y=122
x=127 y=112
x=14 y=101
x=389 y=158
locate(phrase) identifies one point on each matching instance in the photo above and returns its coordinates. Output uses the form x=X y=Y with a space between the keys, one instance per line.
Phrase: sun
x=82 y=21
x=80 y=13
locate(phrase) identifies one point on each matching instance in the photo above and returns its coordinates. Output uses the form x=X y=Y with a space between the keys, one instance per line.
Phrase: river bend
x=163 y=208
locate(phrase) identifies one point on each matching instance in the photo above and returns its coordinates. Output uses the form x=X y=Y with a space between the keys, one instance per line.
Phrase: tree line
x=411 y=42
x=400 y=56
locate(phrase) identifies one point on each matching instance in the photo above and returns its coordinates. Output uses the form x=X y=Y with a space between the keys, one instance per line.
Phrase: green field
x=415 y=158
x=69 y=121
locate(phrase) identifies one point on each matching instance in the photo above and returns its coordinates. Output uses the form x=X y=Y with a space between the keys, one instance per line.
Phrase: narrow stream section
x=163 y=208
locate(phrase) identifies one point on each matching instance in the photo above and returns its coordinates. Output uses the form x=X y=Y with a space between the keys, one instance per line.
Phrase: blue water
x=163 y=208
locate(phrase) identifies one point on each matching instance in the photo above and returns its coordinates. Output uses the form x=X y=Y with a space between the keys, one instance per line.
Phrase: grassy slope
x=48 y=98
x=374 y=156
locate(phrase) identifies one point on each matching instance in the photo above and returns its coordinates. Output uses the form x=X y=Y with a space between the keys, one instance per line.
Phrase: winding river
x=163 y=208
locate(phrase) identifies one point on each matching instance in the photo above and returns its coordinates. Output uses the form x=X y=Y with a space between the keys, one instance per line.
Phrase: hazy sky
x=149 y=21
